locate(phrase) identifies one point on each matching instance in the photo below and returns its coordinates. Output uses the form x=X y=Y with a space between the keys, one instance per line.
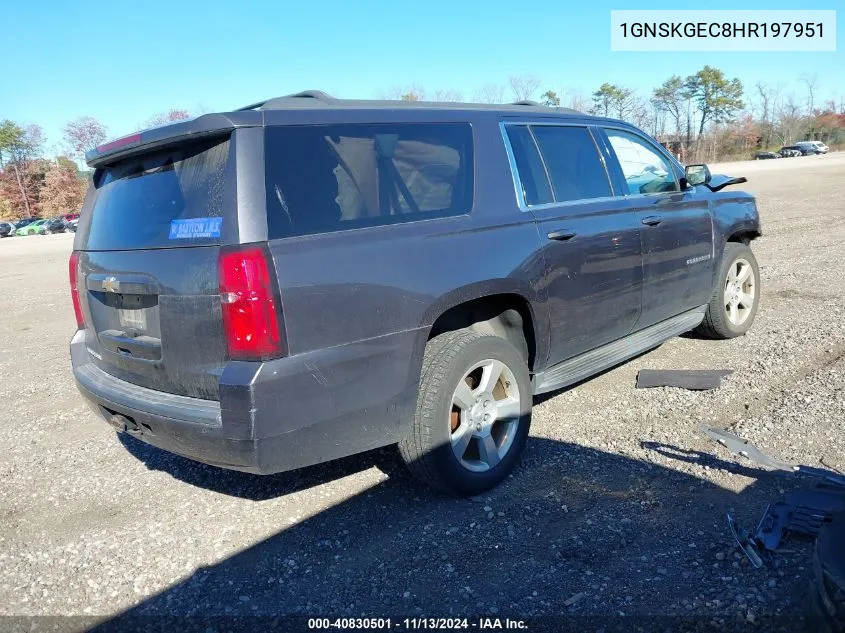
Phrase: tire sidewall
x=733 y=252
x=464 y=481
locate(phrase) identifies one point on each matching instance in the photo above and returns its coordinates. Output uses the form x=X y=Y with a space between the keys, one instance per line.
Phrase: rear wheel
x=473 y=413
x=733 y=307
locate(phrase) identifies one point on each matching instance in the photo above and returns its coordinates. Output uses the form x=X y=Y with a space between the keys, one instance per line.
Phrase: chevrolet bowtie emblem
x=110 y=284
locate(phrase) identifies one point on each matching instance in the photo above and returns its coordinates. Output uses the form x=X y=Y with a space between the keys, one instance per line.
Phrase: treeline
x=33 y=185
x=702 y=117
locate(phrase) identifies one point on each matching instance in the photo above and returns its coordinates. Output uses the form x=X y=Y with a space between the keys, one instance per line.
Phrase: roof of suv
x=309 y=100
x=317 y=99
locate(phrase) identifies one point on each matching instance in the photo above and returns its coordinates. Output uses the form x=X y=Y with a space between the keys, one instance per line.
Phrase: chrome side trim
x=517 y=182
x=590 y=363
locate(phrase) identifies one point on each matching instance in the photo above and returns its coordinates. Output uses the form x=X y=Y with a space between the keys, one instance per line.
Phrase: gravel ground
x=618 y=506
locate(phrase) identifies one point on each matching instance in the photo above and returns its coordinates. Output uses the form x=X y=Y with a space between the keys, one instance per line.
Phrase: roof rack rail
x=535 y=104
x=319 y=95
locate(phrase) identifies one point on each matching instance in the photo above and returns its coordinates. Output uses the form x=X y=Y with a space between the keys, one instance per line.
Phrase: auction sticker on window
x=723 y=30
x=193 y=228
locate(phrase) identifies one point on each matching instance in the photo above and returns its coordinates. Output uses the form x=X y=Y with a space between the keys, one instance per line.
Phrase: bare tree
x=164 y=118
x=643 y=115
x=524 y=86
x=446 y=95
x=790 y=121
x=576 y=100
x=411 y=92
x=767 y=94
x=83 y=134
x=489 y=93
x=811 y=80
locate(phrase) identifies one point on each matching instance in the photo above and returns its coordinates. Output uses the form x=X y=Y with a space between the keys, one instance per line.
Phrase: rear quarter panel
x=379 y=290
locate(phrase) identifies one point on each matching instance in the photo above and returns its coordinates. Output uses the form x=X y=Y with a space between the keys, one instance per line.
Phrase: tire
x=468 y=357
x=720 y=321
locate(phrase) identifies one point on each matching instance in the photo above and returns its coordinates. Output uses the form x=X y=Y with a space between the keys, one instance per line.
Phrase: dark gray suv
x=309 y=277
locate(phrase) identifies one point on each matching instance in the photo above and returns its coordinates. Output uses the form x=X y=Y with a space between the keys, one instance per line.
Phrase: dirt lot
x=597 y=520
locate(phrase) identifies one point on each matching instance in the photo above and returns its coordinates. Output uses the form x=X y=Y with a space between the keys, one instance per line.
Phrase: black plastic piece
x=693 y=379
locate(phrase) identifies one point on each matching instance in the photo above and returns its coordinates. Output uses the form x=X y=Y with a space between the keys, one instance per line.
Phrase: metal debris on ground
x=818 y=511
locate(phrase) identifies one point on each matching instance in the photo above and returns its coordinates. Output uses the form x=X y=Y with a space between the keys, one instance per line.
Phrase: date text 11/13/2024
x=417 y=624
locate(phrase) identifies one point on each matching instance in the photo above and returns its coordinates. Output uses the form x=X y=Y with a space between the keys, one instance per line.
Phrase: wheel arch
x=501 y=309
x=744 y=235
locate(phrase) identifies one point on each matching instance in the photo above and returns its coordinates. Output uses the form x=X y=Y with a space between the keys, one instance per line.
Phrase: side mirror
x=697 y=175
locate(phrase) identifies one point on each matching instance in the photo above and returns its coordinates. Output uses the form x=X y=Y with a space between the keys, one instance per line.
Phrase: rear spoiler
x=174 y=133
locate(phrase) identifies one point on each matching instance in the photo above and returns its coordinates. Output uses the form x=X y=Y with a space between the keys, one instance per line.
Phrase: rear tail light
x=252 y=317
x=73 y=273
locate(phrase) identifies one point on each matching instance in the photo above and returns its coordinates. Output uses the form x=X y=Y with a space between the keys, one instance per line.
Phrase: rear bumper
x=272 y=416
x=190 y=427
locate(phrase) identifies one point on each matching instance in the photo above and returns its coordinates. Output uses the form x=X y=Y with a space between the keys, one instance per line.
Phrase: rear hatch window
x=169 y=198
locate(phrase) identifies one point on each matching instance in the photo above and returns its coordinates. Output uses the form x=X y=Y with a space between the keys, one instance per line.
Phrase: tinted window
x=573 y=162
x=532 y=173
x=323 y=178
x=135 y=200
x=644 y=168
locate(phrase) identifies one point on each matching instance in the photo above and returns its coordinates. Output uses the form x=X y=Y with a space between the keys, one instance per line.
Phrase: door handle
x=562 y=235
x=652 y=220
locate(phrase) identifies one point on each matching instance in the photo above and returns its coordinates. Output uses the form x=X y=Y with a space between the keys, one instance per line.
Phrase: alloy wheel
x=485 y=415
x=740 y=291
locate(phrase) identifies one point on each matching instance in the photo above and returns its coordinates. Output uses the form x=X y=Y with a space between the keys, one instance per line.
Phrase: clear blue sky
x=122 y=62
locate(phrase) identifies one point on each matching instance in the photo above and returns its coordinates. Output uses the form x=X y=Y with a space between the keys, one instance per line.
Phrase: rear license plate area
x=133 y=318
x=128 y=314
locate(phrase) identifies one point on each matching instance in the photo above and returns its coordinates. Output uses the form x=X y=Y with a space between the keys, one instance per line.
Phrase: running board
x=590 y=363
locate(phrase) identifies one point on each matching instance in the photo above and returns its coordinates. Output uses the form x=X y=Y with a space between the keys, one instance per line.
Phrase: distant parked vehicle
x=812 y=147
x=790 y=151
x=72 y=224
x=765 y=155
x=70 y=216
x=32 y=228
x=6 y=229
x=21 y=223
x=56 y=225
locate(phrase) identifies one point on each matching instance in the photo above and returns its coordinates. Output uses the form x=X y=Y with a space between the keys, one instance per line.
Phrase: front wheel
x=733 y=307
x=473 y=413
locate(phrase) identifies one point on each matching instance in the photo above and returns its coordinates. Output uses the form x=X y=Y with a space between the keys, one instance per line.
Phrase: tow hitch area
x=122 y=423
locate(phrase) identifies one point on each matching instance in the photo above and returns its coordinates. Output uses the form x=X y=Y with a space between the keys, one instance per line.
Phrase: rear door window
x=169 y=198
x=557 y=163
x=323 y=178
x=573 y=162
x=533 y=178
